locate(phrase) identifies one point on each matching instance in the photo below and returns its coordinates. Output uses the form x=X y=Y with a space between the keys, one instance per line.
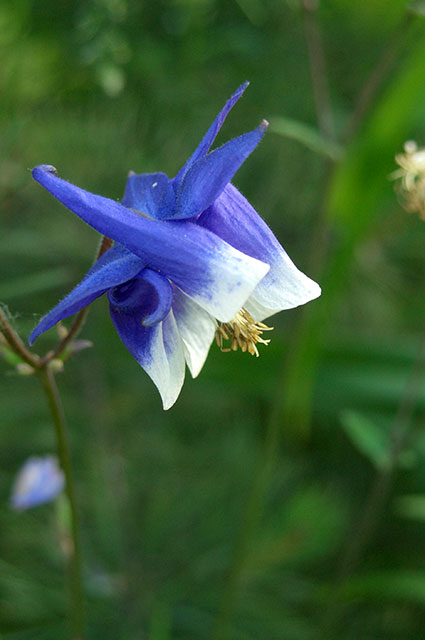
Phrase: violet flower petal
x=206 y=142
x=236 y=221
x=116 y=266
x=207 y=177
x=158 y=350
x=150 y=193
x=217 y=276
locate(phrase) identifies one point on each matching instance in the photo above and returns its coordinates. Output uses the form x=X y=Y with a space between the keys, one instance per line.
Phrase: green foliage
x=100 y=88
x=306 y=135
x=368 y=438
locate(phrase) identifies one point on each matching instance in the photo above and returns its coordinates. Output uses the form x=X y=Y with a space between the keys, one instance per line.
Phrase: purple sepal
x=151 y=194
x=116 y=266
x=206 y=142
x=209 y=175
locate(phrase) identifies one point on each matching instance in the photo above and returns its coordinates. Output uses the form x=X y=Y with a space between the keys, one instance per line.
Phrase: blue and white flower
x=189 y=252
x=38 y=481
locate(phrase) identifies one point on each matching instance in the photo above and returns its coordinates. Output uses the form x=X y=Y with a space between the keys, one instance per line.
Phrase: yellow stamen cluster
x=243 y=332
x=411 y=187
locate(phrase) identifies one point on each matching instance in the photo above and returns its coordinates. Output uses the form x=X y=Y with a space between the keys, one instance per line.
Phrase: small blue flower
x=38 y=481
x=189 y=251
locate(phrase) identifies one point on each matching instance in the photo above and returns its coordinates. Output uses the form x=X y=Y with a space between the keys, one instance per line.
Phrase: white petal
x=234 y=276
x=284 y=287
x=168 y=364
x=196 y=328
x=233 y=219
x=158 y=349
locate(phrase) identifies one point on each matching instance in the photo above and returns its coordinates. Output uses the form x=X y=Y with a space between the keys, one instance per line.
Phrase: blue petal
x=209 y=137
x=150 y=193
x=116 y=266
x=158 y=350
x=39 y=480
x=217 y=276
x=284 y=287
x=207 y=178
x=149 y=295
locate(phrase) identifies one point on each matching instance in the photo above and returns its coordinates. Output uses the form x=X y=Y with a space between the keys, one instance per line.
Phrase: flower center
x=243 y=332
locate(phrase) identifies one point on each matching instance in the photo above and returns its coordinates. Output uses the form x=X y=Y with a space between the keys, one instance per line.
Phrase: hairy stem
x=15 y=342
x=75 y=565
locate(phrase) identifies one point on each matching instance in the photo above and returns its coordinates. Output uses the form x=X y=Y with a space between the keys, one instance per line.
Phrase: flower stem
x=75 y=566
x=76 y=326
x=15 y=342
x=251 y=518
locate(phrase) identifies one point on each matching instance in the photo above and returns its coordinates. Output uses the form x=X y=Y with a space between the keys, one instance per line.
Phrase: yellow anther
x=243 y=332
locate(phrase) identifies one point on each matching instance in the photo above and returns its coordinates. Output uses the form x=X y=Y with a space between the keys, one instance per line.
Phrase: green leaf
x=306 y=135
x=411 y=507
x=367 y=437
x=396 y=585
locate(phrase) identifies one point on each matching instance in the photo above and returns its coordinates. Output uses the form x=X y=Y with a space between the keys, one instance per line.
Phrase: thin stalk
x=15 y=342
x=75 y=563
x=317 y=62
x=378 y=75
x=250 y=521
x=75 y=329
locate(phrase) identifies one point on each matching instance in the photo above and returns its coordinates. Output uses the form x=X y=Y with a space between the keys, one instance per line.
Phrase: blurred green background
x=327 y=425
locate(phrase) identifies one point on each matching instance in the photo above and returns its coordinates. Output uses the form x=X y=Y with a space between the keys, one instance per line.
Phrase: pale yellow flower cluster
x=411 y=178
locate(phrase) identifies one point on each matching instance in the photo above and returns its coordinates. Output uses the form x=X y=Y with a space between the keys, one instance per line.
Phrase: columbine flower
x=38 y=481
x=190 y=252
x=412 y=174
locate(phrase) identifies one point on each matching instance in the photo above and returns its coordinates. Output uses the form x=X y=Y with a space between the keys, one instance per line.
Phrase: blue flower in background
x=189 y=251
x=38 y=481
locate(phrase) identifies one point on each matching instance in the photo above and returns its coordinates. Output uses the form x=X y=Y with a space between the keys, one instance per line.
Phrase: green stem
x=76 y=584
x=379 y=74
x=317 y=63
x=15 y=342
x=251 y=518
x=77 y=325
